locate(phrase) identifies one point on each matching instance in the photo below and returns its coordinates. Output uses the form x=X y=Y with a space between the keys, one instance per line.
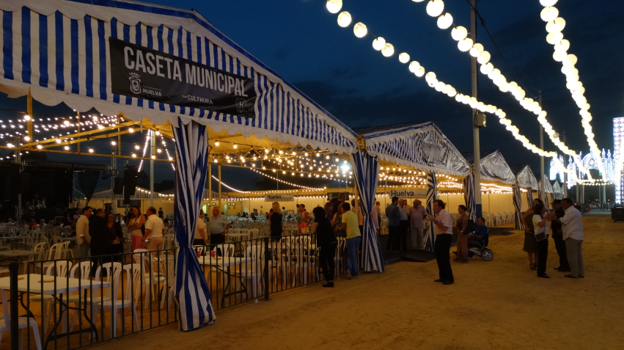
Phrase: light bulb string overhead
x=387 y=49
x=465 y=44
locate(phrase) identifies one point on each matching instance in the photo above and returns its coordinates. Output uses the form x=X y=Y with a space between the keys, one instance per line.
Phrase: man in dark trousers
x=557 y=235
x=443 y=228
x=394 y=221
x=100 y=239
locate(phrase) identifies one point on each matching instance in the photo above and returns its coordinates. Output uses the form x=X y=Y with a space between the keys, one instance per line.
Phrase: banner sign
x=153 y=75
x=409 y=193
x=279 y=198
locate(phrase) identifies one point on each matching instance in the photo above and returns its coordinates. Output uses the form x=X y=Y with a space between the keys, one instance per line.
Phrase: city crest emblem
x=135 y=83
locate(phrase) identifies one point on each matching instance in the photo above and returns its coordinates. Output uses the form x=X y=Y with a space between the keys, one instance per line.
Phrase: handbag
x=540 y=237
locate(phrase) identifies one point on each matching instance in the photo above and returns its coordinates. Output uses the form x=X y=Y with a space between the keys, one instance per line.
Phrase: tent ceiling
x=493 y=167
x=525 y=176
x=283 y=114
x=419 y=146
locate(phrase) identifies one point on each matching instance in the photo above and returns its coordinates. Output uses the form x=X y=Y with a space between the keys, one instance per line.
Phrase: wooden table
x=56 y=287
x=16 y=254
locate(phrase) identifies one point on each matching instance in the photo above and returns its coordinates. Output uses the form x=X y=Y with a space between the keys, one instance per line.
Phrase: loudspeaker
x=118 y=185
x=130 y=179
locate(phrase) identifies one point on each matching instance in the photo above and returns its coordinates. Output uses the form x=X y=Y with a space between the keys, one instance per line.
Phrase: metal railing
x=72 y=303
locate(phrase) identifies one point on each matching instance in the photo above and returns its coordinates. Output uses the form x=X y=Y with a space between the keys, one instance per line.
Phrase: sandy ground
x=492 y=305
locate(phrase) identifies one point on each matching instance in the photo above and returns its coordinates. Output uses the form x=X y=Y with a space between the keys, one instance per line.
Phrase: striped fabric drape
x=366 y=170
x=191 y=289
x=469 y=197
x=529 y=196
x=517 y=202
x=432 y=188
x=63 y=56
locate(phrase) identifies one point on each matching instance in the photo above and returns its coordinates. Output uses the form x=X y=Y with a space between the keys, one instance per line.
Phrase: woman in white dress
x=135 y=225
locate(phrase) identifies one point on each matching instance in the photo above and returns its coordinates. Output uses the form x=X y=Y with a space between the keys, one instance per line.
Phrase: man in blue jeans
x=351 y=226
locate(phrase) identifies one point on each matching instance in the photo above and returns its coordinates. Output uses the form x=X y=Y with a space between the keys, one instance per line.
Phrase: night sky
x=302 y=42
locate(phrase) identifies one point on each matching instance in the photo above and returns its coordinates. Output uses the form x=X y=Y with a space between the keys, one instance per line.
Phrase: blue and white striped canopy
x=59 y=49
x=494 y=167
x=421 y=146
x=432 y=190
x=525 y=176
x=517 y=202
x=469 y=197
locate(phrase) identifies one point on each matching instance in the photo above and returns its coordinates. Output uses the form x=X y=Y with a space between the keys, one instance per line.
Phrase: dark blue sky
x=301 y=41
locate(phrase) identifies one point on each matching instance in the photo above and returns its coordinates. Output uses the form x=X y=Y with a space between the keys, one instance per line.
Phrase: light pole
x=476 y=169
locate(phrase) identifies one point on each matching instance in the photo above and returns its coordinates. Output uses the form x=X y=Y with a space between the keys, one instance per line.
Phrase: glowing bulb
x=133 y=155
x=404 y=57
x=445 y=21
x=58 y=140
x=26 y=138
x=458 y=33
x=344 y=19
x=27 y=117
x=435 y=8
x=235 y=146
x=130 y=130
x=137 y=147
x=388 y=50
x=114 y=143
x=91 y=150
x=360 y=30
x=333 y=6
x=379 y=43
x=66 y=148
x=217 y=144
x=549 y=13
x=464 y=45
x=39 y=147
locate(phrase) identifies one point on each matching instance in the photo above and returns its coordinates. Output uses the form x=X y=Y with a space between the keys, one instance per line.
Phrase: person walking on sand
x=443 y=228
x=540 y=223
x=530 y=244
x=557 y=235
x=573 y=235
x=462 y=239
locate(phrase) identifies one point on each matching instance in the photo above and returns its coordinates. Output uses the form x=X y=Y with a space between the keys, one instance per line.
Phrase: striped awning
x=421 y=146
x=494 y=167
x=59 y=49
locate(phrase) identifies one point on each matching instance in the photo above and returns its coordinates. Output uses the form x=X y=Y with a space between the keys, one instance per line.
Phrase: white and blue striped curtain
x=191 y=289
x=432 y=188
x=529 y=196
x=469 y=197
x=517 y=202
x=366 y=170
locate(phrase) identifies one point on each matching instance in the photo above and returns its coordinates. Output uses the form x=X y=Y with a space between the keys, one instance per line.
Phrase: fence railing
x=72 y=303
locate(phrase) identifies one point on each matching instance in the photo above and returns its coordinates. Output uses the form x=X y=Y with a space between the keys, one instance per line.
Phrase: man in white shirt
x=573 y=235
x=153 y=230
x=82 y=231
x=443 y=228
x=219 y=226
x=200 y=230
x=417 y=216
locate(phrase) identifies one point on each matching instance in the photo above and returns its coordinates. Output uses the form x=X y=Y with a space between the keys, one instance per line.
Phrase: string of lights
x=387 y=50
x=554 y=27
x=435 y=8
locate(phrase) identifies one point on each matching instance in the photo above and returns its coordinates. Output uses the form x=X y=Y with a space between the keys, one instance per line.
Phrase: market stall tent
x=62 y=51
x=420 y=146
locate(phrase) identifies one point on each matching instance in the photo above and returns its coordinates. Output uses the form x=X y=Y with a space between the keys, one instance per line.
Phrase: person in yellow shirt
x=354 y=236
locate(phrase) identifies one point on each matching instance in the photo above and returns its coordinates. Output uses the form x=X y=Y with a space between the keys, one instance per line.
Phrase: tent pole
x=475 y=130
x=29 y=111
x=209 y=184
x=219 y=170
x=541 y=136
x=152 y=155
x=78 y=129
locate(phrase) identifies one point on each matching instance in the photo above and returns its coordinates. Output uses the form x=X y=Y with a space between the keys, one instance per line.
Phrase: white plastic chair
x=341 y=248
x=23 y=322
x=305 y=260
x=133 y=276
x=85 y=273
x=151 y=279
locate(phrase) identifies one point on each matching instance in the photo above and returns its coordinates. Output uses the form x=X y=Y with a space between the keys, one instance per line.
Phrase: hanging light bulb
x=549 y=13
x=235 y=146
x=464 y=45
x=130 y=130
x=458 y=33
x=404 y=57
x=547 y=3
x=217 y=143
x=388 y=50
x=66 y=148
x=26 y=138
x=360 y=30
x=435 y=8
x=484 y=57
x=379 y=43
x=344 y=19
x=445 y=21
x=27 y=117
x=476 y=50
x=333 y=6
